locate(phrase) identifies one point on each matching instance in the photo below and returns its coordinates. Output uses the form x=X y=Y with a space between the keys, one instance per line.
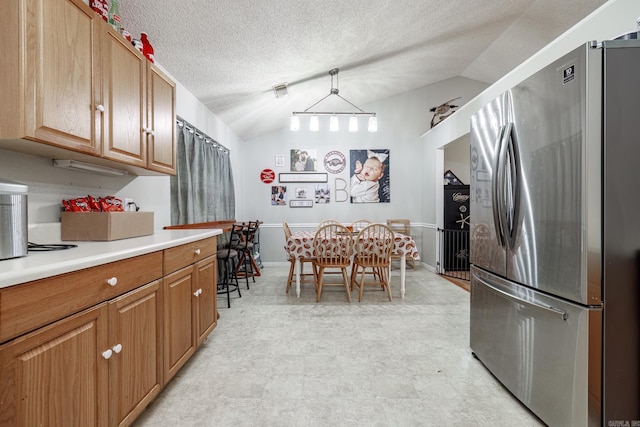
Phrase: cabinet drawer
x=180 y=256
x=30 y=305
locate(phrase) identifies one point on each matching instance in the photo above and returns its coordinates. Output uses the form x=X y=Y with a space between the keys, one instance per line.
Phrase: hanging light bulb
x=373 y=124
x=353 y=124
x=314 y=124
x=295 y=123
x=334 y=126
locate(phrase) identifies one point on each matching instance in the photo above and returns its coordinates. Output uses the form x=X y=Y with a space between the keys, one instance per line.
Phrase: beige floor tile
x=278 y=360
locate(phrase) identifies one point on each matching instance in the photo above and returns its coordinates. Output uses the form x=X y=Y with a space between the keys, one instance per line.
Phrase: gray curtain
x=202 y=190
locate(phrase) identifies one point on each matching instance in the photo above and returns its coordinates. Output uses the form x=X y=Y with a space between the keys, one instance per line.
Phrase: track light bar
x=353 y=121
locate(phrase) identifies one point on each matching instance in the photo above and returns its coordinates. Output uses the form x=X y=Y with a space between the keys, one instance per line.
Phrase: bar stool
x=227 y=257
x=245 y=250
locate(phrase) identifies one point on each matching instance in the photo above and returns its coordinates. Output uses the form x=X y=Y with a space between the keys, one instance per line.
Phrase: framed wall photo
x=370 y=172
x=303 y=160
x=323 y=193
x=279 y=195
x=301 y=192
x=301 y=203
x=303 y=177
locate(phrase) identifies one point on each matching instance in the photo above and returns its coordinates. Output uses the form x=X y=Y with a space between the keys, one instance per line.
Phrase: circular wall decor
x=267 y=176
x=334 y=162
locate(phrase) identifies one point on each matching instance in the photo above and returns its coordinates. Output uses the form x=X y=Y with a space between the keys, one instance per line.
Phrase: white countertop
x=39 y=265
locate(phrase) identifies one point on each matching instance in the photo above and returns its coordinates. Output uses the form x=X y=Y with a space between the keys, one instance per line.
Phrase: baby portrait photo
x=369 y=176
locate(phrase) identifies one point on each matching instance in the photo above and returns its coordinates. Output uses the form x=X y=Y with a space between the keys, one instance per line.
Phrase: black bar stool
x=227 y=259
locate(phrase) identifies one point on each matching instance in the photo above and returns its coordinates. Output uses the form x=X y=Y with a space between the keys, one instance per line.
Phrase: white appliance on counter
x=555 y=237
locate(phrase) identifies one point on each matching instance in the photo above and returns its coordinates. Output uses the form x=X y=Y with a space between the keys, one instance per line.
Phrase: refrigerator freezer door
x=558 y=141
x=487 y=239
x=546 y=351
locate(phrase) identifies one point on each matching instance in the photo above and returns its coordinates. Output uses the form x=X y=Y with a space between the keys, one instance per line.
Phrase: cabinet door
x=179 y=308
x=161 y=121
x=56 y=376
x=124 y=100
x=59 y=81
x=206 y=314
x=135 y=337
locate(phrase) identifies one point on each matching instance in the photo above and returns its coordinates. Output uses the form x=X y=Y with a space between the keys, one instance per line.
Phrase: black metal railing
x=454 y=253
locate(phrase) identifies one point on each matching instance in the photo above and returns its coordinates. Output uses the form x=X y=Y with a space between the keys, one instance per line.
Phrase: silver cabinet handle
x=107 y=354
x=100 y=108
x=563 y=314
x=113 y=281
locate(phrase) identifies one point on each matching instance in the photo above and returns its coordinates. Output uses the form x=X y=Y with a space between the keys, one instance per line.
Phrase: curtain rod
x=207 y=140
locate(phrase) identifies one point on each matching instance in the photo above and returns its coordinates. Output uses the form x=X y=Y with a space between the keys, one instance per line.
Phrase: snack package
x=111 y=204
x=81 y=204
x=94 y=204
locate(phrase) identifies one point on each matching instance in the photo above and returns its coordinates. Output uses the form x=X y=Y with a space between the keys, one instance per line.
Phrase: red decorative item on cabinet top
x=147 y=49
x=101 y=7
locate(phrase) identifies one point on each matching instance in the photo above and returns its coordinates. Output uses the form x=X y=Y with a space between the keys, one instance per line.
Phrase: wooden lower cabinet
x=206 y=318
x=103 y=364
x=135 y=339
x=99 y=367
x=57 y=376
x=190 y=312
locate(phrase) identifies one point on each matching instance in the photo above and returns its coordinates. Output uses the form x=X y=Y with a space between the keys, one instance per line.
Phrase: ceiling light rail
x=314 y=124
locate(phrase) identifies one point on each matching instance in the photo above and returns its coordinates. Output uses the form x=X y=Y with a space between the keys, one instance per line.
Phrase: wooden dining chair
x=359 y=224
x=292 y=262
x=328 y=221
x=402 y=226
x=333 y=247
x=372 y=258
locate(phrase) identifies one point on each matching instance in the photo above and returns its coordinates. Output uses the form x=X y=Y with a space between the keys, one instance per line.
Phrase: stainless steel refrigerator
x=555 y=237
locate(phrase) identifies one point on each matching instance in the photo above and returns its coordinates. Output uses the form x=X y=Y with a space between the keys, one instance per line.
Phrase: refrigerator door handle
x=496 y=187
x=513 y=167
x=530 y=302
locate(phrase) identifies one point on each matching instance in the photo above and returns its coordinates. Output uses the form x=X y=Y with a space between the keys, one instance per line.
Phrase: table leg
x=297 y=268
x=403 y=269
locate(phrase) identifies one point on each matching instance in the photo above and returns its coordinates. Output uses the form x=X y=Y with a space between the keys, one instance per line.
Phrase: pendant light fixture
x=334 y=126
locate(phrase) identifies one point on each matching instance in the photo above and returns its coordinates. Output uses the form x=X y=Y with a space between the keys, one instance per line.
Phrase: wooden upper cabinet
x=70 y=82
x=139 y=103
x=161 y=94
x=48 y=73
x=124 y=100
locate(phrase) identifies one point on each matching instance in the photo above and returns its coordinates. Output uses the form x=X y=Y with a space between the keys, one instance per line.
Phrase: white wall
x=401 y=121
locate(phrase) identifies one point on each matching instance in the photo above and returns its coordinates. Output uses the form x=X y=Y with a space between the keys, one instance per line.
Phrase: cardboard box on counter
x=105 y=226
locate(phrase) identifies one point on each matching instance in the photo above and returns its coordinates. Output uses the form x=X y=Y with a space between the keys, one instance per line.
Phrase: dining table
x=300 y=245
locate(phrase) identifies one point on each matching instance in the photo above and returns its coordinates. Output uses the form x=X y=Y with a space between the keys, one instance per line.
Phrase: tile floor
x=276 y=360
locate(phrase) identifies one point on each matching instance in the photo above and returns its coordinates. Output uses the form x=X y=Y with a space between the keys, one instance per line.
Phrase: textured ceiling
x=230 y=54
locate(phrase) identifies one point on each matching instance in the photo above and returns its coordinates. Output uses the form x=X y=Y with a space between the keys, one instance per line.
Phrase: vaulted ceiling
x=230 y=54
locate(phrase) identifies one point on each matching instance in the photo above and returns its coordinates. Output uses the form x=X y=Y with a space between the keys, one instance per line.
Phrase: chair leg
x=346 y=283
x=385 y=276
x=361 y=283
x=319 y=286
x=290 y=278
x=225 y=280
x=232 y=271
